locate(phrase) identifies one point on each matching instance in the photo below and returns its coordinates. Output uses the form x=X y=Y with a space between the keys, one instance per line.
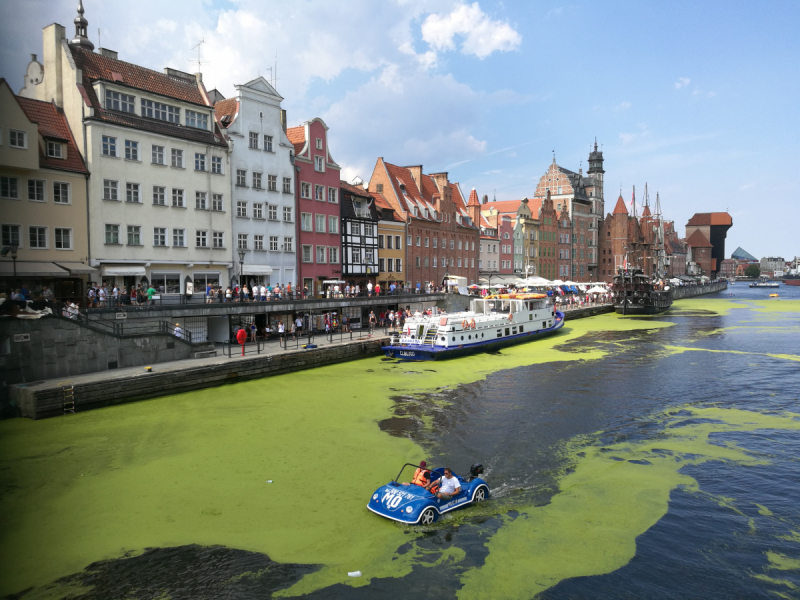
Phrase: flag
x=633 y=198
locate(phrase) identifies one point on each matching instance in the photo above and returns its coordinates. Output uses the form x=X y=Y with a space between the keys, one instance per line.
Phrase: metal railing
x=123 y=328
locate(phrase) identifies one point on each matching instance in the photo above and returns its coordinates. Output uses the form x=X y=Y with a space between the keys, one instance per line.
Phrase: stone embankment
x=46 y=399
x=690 y=291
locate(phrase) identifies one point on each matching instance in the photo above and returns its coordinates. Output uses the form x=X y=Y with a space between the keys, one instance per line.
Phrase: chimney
x=485 y=198
x=108 y=53
x=283 y=120
x=416 y=173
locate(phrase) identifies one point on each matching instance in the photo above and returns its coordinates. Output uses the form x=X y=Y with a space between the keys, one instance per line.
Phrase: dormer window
x=121 y=102
x=197 y=120
x=54 y=150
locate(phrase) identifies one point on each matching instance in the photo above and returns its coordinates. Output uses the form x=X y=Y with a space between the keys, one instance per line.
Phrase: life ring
x=472 y=323
x=464 y=324
x=510 y=316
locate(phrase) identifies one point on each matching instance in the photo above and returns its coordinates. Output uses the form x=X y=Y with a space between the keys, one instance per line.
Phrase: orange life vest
x=420 y=477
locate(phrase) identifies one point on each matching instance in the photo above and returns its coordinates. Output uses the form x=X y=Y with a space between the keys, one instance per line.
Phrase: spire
x=473 y=198
x=620 y=209
x=646 y=211
x=81 y=25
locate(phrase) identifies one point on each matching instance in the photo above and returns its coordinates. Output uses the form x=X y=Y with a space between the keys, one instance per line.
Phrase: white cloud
x=623 y=106
x=481 y=35
x=627 y=138
x=682 y=82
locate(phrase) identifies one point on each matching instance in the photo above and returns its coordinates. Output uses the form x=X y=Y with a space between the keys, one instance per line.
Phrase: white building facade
x=262 y=185
x=159 y=191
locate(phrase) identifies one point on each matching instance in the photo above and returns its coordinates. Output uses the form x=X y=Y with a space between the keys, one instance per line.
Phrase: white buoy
x=354 y=573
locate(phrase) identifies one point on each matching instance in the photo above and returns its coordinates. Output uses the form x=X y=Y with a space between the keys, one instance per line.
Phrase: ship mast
x=661 y=254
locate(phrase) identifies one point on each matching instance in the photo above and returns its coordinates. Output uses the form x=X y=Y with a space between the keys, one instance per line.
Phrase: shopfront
x=33 y=276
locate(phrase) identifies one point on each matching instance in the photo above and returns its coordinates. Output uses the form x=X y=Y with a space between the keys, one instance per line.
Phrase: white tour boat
x=491 y=323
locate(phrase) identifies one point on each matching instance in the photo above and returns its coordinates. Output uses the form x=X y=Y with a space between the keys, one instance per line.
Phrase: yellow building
x=43 y=210
x=391 y=244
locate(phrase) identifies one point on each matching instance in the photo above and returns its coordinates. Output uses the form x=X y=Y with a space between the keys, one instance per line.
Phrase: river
x=628 y=458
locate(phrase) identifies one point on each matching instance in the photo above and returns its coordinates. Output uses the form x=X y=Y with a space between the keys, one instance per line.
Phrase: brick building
x=714 y=229
x=442 y=236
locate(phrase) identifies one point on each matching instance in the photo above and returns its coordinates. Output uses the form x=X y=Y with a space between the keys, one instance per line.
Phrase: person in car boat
x=449 y=486
x=422 y=476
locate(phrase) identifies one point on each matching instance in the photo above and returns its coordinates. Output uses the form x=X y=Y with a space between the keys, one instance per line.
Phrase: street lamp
x=241 y=266
x=12 y=249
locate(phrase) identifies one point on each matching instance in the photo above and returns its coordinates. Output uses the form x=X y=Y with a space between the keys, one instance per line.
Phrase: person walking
x=281 y=333
x=373 y=320
x=369 y=288
x=178 y=331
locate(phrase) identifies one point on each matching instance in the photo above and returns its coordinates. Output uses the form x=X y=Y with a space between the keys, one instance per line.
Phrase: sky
x=698 y=100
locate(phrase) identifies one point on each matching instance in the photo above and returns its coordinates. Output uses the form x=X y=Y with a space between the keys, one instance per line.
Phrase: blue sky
x=698 y=99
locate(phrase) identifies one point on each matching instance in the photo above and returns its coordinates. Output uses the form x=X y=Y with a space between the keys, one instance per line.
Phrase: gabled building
x=262 y=191
x=714 y=229
x=43 y=210
x=159 y=195
x=317 y=192
x=442 y=236
x=359 y=235
x=391 y=243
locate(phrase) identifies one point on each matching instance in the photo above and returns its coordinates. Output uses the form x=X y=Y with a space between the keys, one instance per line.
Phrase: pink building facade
x=319 y=216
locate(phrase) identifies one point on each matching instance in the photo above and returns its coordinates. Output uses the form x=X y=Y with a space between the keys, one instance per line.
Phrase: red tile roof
x=620 y=209
x=297 y=136
x=698 y=240
x=355 y=190
x=382 y=204
x=52 y=124
x=715 y=218
x=227 y=108
x=97 y=67
x=503 y=207
x=473 y=198
x=646 y=211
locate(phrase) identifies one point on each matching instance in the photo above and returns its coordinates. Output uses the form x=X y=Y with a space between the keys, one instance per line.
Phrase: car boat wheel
x=427 y=517
x=480 y=495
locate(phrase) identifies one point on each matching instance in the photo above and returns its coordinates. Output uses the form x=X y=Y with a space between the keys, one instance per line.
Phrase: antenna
x=199 y=63
x=99 y=43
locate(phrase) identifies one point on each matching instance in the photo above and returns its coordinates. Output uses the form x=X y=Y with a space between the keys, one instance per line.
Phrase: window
x=9 y=187
x=333 y=224
x=196 y=120
x=306 y=253
x=177 y=158
x=389 y=242
x=398 y=265
x=333 y=255
x=17 y=139
x=216 y=165
x=178 y=238
x=201 y=239
x=305 y=190
x=131 y=150
x=417 y=260
x=319 y=193
x=396 y=243
x=37 y=237
x=241 y=178
x=54 y=150
x=11 y=235
x=63 y=238
x=159 y=193
x=380 y=241
x=157 y=155
x=200 y=200
x=409 y=241
x=419 y=242
x=36 y=190
x=390 y=265
x=177 y=198
x=434 y=261
x=258 y=210
x=333 y=195
x=320 y=224
x=305 y=222
x=216 y=202
x=355 y=227
x=132 y=192
x=258 y=242
x=273 y=243
x=452 y=244
x=322 y=254
x=117 y=101
x=288 y=244
x=159 y=236
x=134 y=235
x=199 y=162
x=257 y=181
x=112 y=234
x=459 y=244
x=319 y=164
x=319 y=143
x=254 y=140
x=109 y=146
x=273 y=212
x=379 y=188
x=287 y=185
x=272 y=180
x=426 y=242
x=218 y=239
x=110 y=189
x=162 y=112
x=369 y=230
x=287 y=214
x=241 y=208
x=241 y=241
x=382 y=265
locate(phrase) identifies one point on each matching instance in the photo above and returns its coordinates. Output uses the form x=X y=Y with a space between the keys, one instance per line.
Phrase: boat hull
x=414 y=352
x=653 y=304
x=791 y=281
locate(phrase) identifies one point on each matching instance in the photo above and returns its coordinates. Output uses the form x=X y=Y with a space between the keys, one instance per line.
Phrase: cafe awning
x=122 y=271
x=77 y=268
x=32 y=269
x=256 y=270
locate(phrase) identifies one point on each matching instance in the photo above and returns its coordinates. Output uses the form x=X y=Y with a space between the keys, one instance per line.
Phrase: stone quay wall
x=690 y=291
x=45 y=399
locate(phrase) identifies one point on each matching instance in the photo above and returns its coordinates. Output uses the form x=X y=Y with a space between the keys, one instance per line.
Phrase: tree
x=752 y=271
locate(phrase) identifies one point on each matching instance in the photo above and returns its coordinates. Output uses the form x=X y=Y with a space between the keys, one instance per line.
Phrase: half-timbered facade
x=359 y=235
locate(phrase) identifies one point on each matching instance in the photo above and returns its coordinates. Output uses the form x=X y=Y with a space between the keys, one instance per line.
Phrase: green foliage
x=752 y=271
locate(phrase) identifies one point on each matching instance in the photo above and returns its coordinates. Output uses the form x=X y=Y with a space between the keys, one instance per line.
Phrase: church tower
x=81 y=25
x=594 y=187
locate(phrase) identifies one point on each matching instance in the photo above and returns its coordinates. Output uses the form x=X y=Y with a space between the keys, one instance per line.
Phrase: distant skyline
x=699 y=100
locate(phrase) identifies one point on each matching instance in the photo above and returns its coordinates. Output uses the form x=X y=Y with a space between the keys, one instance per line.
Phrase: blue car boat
x=414 y=505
